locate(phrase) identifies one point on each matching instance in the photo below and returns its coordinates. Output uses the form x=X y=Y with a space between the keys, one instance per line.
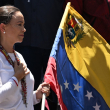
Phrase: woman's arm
x=7 y=89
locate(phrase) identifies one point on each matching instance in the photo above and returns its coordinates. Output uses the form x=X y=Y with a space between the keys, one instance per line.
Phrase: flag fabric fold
x=79 y=65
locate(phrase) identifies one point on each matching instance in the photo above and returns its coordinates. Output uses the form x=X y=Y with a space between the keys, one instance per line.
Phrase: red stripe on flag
x=51 y=77
x=46 y=104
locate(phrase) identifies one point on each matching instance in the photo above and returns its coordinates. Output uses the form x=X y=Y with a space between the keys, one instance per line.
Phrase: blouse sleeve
x=7 y=89
x=35 y=101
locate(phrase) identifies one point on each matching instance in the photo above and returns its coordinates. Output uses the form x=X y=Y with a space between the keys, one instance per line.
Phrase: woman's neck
x=7 y=46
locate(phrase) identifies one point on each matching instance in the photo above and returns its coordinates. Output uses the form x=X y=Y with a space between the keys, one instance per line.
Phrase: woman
x=16 y=81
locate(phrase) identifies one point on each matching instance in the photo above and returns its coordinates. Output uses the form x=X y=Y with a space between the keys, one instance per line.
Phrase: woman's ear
x=2 y=27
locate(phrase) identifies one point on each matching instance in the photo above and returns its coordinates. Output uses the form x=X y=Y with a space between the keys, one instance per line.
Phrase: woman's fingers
x=21 y=70
x=27 y=71
x=44 y=84
x=46 y=88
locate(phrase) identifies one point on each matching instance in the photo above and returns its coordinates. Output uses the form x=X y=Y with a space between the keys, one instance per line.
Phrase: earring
x=4 y=32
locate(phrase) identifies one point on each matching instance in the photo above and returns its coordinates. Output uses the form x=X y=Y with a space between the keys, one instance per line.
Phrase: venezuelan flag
x=79 y=65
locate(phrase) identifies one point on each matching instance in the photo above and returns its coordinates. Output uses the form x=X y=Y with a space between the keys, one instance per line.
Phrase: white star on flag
x=77 y=86
x=66 y=85
x=61 y=88
x=89 y=95
x=97 y=107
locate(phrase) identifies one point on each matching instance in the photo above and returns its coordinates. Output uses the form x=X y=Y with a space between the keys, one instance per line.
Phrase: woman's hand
x=20 y=70
x=43 y=88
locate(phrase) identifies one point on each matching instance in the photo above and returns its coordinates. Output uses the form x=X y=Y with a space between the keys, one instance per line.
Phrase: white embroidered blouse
x=10 y=93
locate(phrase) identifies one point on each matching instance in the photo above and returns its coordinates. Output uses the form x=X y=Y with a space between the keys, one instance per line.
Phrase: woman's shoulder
x=19 y=55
